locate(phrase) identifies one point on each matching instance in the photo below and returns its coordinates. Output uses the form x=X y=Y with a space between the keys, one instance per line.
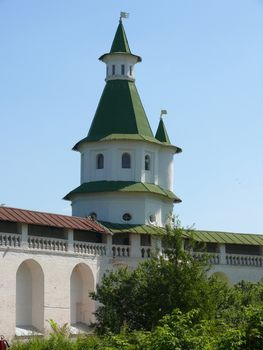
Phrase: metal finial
x=163 y=111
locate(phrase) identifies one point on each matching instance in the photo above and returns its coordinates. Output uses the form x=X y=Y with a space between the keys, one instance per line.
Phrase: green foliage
x=180 y=331
x=140 y=298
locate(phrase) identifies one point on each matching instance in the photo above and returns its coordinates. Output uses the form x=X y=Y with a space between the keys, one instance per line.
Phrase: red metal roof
x=47 y=219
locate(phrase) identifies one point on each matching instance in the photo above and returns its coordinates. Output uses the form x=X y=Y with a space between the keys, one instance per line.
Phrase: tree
x=138 y=299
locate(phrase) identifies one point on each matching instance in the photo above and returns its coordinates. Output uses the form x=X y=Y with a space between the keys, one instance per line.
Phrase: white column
x=24 y=236
x=109 y=245
x=70 y=234
x=135 y=243
x=114 y=164
x=156 y=245
x=139 y=173
x=222 y=252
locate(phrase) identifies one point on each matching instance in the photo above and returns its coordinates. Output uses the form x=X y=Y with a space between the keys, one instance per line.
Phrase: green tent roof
x=120 y=111
x=122 y=186
x=161 y=133
x=120 y=116
x=120 y=42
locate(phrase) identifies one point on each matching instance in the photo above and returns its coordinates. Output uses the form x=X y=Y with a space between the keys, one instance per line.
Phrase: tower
x=126 y=171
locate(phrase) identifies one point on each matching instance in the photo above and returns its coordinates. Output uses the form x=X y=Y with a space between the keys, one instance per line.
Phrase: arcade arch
x=82 y=306
x=30 y=295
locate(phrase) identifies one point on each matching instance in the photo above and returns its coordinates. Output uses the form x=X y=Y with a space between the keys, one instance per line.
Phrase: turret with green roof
x=161 y=133
x=120 y=114
x=123 y=165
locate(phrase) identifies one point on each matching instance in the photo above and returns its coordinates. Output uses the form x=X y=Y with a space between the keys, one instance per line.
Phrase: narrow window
x=122 y=69
x=126 y=161
x=100 y=161
x=107 y=70
x=130 y=70
x=147 y=162
x=113 y=69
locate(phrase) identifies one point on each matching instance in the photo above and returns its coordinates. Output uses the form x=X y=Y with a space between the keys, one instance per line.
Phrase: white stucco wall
x=235 y=273
x=161 y=166
x=111 y=207
x=118 y=60
x=67 y=280
x=57 y=271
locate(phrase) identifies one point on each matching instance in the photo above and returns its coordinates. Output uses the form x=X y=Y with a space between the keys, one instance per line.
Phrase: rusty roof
x=48 y=219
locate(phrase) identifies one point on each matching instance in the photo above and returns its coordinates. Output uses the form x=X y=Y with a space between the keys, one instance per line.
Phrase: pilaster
x=24 y=235
x=222 y=252
x=70 y=238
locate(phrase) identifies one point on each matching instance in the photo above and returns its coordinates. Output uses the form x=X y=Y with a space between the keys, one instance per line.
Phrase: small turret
x=120 y=61
x=161 y=133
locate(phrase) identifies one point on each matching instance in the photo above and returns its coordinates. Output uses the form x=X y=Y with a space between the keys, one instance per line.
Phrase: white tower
x=126 y=171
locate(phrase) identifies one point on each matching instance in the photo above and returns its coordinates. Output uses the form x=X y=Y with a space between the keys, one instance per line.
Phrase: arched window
x=100 y=161
x=126 y=161
x=147 y=162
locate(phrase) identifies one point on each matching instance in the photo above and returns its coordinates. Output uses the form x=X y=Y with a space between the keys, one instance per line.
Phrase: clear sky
x=202 y=61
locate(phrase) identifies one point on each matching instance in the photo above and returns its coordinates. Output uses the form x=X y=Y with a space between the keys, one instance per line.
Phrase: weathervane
x=163 y=111
x=124 y=15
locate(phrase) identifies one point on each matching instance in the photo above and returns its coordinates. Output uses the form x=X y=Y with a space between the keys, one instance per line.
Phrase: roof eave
x=102 y=57
x=102 y=139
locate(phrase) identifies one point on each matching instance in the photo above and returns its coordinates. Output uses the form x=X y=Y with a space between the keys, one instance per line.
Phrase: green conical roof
x=161 y=133
x=120 y=42
x=120 y=114
x=120 y=111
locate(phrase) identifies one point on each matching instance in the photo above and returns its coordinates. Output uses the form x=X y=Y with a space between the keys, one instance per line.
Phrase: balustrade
x=120 y=251
x=42 y=243
x=145 y=252
x=213 y=258
x=89 y=248
x=244 y=260
x=99 y=249
x=10 y=240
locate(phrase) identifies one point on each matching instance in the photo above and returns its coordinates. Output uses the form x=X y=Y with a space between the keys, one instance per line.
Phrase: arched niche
x=82 y=306
x=30 y=296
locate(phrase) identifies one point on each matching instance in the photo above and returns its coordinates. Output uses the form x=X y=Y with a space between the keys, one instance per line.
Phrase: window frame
x=123 y=69
x=126 y=160
x=147 y=162
x=100 y=161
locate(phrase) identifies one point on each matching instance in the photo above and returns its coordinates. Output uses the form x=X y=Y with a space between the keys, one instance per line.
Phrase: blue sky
x=202 y=61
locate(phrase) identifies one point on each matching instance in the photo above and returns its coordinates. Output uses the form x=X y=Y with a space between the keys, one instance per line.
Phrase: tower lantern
x=120 y=61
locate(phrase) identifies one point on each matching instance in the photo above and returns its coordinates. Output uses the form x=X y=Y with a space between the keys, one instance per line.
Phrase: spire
x=120 y=42
x=161 y=133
